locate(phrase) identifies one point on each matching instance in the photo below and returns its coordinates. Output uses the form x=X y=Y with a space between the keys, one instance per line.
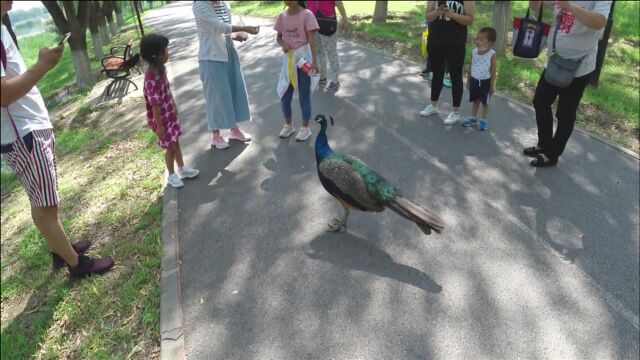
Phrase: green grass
x=110 y=185
x=616 y=98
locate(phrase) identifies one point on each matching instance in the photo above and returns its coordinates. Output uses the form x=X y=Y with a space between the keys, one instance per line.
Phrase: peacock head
x=322 y=119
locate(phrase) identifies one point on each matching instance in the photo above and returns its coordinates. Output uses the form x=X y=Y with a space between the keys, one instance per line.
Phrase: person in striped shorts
x=27 y=145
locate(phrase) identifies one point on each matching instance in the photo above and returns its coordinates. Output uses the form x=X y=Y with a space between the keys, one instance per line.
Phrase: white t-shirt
x=481 y=64
x=28 y=112
x=575 y=39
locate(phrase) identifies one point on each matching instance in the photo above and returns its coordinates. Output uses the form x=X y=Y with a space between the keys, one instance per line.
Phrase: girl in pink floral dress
x=162 y=113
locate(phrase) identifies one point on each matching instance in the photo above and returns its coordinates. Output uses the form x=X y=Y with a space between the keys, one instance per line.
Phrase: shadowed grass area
x=110 y=185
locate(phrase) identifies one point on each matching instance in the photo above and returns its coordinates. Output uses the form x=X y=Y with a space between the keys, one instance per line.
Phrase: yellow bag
x=423 y=46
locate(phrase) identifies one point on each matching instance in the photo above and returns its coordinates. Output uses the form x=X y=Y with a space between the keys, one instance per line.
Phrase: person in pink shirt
x=296 y=26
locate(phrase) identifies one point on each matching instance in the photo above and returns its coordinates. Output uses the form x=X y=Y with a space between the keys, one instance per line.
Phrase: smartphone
x=65 y=38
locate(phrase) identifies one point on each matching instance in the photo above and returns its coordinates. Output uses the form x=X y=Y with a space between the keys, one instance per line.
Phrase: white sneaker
x=429 y=110
x=187 y=172
x=219 y=142
x=174 y=181
x=303 y=134
x=287 y=130
x=453 y=118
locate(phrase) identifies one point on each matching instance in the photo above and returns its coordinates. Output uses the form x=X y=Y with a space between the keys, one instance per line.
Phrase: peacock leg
x=339 y=225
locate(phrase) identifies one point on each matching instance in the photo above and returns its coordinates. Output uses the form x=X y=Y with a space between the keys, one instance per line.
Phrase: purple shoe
x=88 y=266
x=79 y=247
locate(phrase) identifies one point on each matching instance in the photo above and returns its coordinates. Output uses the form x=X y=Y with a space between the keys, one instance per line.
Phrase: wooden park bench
x=119 y=67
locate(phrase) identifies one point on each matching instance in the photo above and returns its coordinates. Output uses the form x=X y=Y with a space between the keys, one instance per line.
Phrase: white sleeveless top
x=481 y=64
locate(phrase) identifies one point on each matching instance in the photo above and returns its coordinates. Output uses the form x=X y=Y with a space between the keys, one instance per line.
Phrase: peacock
x=357 y=186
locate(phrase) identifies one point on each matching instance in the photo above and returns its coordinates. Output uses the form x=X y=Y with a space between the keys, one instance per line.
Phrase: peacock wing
x=344 y=181
x=376 y=185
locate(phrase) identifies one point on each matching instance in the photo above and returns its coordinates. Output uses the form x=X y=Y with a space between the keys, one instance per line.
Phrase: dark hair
x=151 y=46
x=303 y=4
x=490 y=32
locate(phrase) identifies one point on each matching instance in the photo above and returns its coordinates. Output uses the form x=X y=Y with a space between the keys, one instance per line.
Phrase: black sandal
x=540 y=161
x=533 y=151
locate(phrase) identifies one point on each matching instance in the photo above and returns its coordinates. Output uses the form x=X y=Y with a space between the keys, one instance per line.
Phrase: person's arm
x=282 y=43
x=207 y=17
x=343 y=14
x=535 y=5
x=156 y=117
x=492 y=89
x=16 y=87
x=465 y=19
x=311 y=36
x=431 y=13
x=590 y=19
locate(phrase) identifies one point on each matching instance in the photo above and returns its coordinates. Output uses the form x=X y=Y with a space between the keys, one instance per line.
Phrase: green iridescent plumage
x=377 y=186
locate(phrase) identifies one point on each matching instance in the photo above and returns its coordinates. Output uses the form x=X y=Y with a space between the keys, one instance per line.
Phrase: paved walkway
x=534 y=263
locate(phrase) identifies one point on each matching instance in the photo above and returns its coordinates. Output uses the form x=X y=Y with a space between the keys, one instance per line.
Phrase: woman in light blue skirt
x=223 y=84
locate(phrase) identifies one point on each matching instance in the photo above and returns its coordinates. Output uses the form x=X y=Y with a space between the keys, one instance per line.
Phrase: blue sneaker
x=483 y=125
x=333 y=86
x=469 y=122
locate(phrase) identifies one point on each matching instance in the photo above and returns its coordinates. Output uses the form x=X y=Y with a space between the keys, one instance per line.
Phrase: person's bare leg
x=288 y=121
x=485 y=111
x=47 y=221
x=474 y=108
x=169 y=157
x=178 y=156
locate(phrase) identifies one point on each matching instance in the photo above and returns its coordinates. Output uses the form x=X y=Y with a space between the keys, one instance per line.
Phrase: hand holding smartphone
x=64 y=38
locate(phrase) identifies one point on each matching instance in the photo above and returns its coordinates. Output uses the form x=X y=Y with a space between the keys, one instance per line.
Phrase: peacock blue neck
x=322 y=147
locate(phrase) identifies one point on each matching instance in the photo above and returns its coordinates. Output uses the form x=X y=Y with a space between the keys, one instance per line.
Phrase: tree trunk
x=78 y=41
x=112 y=26
x=102 y=24
x=97 y=45
x=380 y=12
x=119 y=16
x=108 y=10
x=104 y=32
x=501 y=16
x=95 y=33
x=83 y=70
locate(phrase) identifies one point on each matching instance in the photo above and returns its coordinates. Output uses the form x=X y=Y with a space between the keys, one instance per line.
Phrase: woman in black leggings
x=447 y=43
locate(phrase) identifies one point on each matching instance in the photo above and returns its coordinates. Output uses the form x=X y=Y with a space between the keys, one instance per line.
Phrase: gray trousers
x=327 y=48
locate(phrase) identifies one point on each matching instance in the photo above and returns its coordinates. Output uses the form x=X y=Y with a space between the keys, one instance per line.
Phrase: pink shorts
x=36 y=167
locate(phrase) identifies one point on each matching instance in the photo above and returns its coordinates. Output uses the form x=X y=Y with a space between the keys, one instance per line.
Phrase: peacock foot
x=336 y=225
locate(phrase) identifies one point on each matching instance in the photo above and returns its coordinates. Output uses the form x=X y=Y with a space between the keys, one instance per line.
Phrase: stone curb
x=171 y=325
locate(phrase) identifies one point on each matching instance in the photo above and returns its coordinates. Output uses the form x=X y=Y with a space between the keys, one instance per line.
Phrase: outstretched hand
x=49 y=57
x=253 y=30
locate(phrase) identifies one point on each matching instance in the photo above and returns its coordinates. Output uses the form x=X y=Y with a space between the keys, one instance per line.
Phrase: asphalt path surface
x=533 y=263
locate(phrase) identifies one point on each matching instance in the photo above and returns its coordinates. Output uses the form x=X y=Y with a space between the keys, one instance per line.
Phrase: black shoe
x=425 y=72
x=79 y=247
x=87 y=266
x=543 y=161
x=533 y=151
